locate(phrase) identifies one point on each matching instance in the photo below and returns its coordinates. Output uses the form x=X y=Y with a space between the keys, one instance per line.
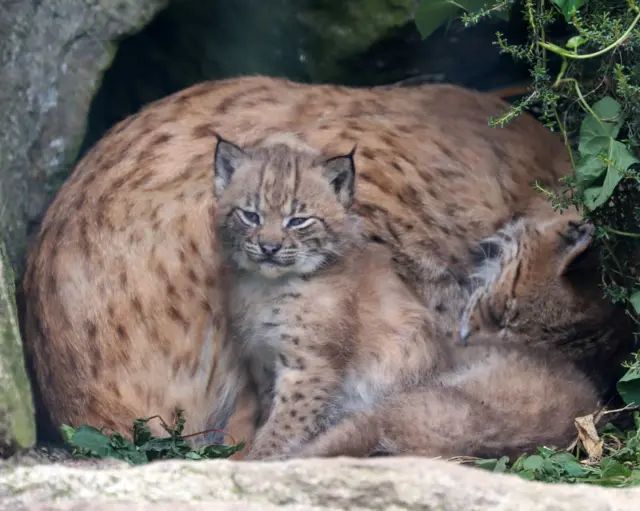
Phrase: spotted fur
x=540 y=343
x=124 y=317
x=499 y=401
x=325 y=324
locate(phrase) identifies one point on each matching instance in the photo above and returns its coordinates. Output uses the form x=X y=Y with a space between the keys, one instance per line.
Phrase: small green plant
x=618 y=467
x=90 y=442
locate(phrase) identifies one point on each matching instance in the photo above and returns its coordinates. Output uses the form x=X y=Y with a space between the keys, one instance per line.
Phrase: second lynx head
x=283 y=210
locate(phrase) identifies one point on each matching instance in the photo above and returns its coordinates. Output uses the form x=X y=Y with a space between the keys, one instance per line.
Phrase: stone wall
x=52 y=56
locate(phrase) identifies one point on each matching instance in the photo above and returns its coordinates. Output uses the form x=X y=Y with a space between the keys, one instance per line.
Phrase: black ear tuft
x=486 y=249
x=226 y=160
x=576 y=250
x=340 y=171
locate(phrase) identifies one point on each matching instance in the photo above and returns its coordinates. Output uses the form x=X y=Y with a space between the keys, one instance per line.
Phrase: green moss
x=343 y=28
x=15 y=390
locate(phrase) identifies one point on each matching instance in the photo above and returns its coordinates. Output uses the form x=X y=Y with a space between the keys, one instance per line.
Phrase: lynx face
x=283 y=211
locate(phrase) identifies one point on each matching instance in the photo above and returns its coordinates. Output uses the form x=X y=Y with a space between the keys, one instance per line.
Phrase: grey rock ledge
x=339 y=483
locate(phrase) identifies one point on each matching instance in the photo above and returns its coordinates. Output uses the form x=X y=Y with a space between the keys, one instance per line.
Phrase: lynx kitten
x=515 y=386
x=326 y=325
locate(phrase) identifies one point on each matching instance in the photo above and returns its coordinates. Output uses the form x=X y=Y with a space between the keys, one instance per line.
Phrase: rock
x=340 y=29
x=17 y=421
x=164 y=506
x=47 y=455
x=339 y=483
x=52 y=56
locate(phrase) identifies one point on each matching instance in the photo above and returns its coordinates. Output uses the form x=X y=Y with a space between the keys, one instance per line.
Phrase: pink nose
x=270 y=248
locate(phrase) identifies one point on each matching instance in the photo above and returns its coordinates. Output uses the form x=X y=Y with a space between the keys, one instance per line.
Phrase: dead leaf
x=589 y=437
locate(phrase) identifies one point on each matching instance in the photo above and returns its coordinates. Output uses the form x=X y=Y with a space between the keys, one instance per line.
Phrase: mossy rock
x=17 y=421
x=340 y=29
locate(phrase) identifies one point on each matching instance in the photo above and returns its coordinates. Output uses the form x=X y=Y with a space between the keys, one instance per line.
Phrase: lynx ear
x=227 y=159
x=574 y=253
x=487 y=249
x=340 y=171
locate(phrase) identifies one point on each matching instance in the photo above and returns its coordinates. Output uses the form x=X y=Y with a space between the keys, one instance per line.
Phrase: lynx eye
x=249 y=218
x=299 y=222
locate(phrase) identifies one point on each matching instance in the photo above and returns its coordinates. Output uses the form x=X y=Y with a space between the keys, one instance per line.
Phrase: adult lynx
x=124 y=314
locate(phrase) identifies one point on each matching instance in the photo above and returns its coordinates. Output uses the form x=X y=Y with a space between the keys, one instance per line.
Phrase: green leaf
x=431 y=14
x=220 y=451
x=157 y=444
x=613 y=468
x=563 y=457
x=533 y=462
x=574 y=469
x=610 y=113
x=118 y=442
x=549 y=466
x=67 y=433
x=133 y=456
x=629 y=386
x=179 y=427
x=589 y=169
x=575 y=42
x=620 y=157
x=591 y=196
x=560 y=3
x=545 y=452
x=528 y=475
x=141 y=432
x=501 y=465
x=89 y=441
x=568 y=6
x=597 y=196
x=595 y=134
x=487 y=464
x=93 y=440
x=517 y=465
x=635 y=301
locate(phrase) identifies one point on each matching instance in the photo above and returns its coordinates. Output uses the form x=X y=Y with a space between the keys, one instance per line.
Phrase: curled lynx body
x=531 y=329
x=503 y=402
x=124 y=318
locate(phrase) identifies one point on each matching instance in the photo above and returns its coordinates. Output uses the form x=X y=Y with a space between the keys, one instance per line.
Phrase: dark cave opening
x=321 y=41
